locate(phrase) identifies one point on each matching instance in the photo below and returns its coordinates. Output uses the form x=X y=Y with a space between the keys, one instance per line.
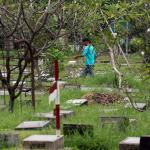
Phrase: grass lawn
x=104 y=138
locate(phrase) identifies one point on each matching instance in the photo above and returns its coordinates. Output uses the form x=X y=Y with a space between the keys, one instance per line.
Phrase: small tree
x=24 y=22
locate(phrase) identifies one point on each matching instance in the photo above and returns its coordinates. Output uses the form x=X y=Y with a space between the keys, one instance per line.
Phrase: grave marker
x=9 y=139
x=130 y=143
x=141 y=106
x=71 y=86
x=77 y=102
x=44 y=142
x=32 y=125
x=120 y=121
x=82 y=129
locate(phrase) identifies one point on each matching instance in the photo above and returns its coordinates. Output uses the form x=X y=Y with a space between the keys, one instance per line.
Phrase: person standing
x=89 y=53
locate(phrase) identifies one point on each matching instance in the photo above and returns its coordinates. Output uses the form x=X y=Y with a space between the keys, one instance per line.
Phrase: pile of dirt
x=102 y=98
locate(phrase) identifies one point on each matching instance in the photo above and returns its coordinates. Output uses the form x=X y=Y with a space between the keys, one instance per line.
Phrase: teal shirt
x=90 y=54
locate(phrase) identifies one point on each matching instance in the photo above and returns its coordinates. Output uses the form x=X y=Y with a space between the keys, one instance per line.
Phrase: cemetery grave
x=31 y=125
x=51 y=115
x=130 y=143
x=47 y=102
x=77 y=102
x=104 y=99
x=141 y=106
x=76 y=128
x=48 y=142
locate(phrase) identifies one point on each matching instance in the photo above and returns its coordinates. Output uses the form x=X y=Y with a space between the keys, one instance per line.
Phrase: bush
x=136 y=44
x=87 y=143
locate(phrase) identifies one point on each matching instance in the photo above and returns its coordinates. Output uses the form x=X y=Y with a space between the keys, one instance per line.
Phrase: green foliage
x=87 y=143
x=137 y=44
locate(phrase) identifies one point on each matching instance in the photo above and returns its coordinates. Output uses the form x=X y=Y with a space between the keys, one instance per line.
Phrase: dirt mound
x=100 y=98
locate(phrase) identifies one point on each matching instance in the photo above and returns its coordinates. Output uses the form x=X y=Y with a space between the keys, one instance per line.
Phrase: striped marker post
x=57 y=101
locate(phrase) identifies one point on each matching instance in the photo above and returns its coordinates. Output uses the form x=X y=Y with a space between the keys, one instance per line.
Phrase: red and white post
x=57 y=101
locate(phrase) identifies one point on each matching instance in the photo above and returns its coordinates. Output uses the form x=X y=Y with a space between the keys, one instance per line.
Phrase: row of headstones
x=120 y=121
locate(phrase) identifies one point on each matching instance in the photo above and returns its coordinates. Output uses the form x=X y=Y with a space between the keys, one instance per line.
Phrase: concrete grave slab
x=49 y=116
x=32 y=125
x=77 y=102
x=71 y=86
x=130 y=143
x=120 y=121
x=84 y=88
x=9 y=139
x=110 y=110
x=44 y=142
x=82 y=129
x=141 y=106
x=66 y=113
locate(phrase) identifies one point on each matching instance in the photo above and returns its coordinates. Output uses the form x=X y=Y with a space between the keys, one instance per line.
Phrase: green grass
x=104 y=138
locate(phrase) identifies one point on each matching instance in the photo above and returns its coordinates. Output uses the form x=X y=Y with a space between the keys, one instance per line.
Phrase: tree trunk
x=11 y=100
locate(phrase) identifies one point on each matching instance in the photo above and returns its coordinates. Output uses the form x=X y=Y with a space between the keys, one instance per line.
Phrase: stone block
x=141 y=106
x=82 y=129
x=120 y=121
x=130 y=143
x=32 y=125
x=43 y=142
x=49 y=116
x=65 y=113
x=9 y=139
x=77 y=102
x=110 y=110
x=71 y=86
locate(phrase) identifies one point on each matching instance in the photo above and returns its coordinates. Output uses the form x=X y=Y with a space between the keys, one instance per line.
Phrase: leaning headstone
x=9 y=139
x=32 y=125
x=43 y=142
x=145 y=143
x=120 y=121
x=130 y=143
x=141 y=106
x=82 y=129
x=77 y=102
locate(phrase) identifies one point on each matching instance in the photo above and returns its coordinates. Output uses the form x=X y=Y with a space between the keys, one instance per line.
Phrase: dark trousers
x=88 y=70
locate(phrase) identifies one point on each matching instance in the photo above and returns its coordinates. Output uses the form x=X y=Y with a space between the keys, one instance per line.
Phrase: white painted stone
x=77 y=102
x=130 y=143
x=72 y=63
x=51 y=79
x=136 y=105
x=131 y=140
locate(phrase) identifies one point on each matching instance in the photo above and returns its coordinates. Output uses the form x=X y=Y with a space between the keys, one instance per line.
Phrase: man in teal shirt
x=90 y=55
